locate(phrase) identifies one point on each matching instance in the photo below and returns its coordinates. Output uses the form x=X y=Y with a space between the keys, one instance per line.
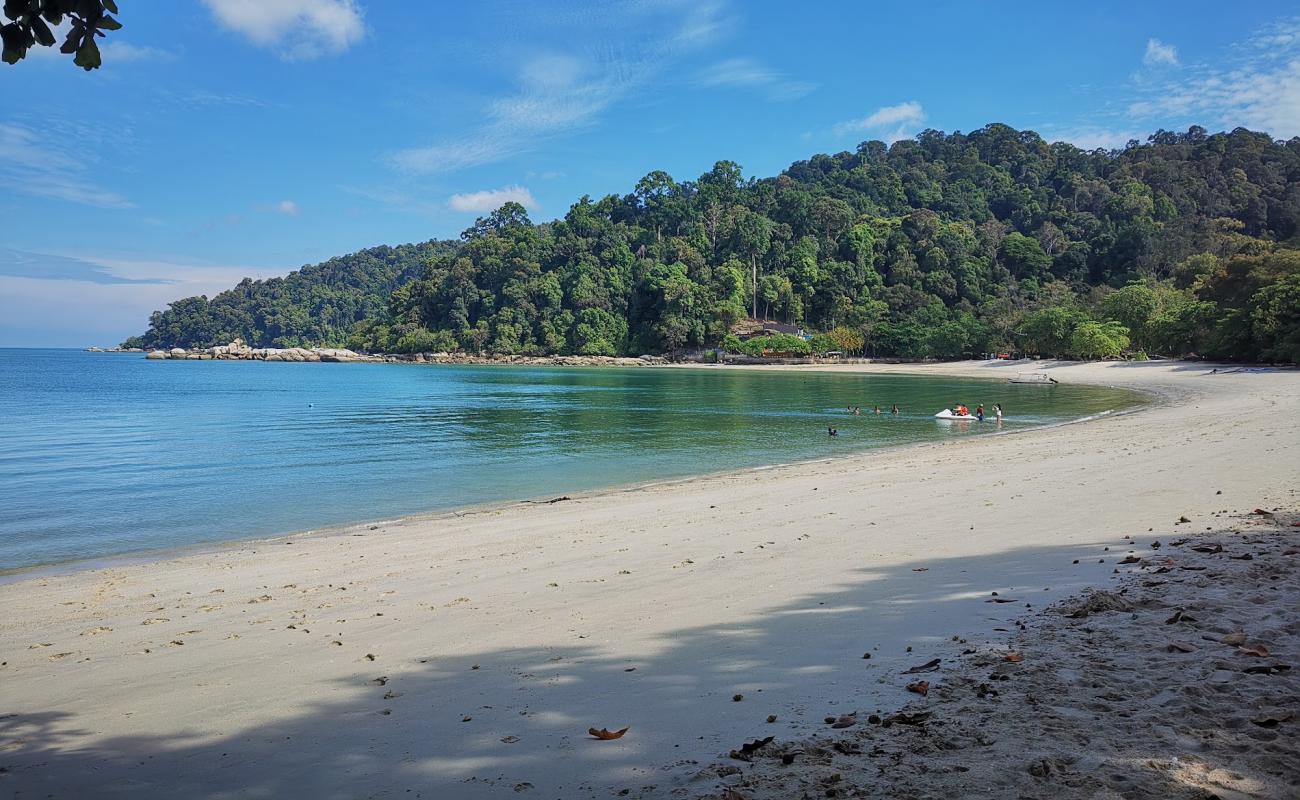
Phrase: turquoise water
x=106 y=454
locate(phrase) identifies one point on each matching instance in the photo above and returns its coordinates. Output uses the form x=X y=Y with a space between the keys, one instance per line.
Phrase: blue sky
x=225 y=138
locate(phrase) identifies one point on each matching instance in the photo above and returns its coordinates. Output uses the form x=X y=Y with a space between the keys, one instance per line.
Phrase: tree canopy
x=30 y=25
x=940 y=246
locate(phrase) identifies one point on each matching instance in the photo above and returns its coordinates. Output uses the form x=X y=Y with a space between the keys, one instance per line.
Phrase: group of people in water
x=857 y=410
x=958 y=410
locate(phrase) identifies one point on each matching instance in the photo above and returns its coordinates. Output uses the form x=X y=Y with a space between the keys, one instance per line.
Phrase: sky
x=231 y=138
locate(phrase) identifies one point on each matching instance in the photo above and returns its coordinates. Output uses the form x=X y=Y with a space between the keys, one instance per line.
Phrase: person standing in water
x=895 y=409
x=997 y=411
x=979 y=412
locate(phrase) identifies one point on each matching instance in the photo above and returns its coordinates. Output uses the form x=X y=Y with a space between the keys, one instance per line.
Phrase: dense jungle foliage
x=940 y=246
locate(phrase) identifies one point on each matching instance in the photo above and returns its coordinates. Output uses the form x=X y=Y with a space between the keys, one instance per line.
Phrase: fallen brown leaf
x=1253 y=650
x=920 y=687
x=1014 y=658
x=929 y=666
x=606 y=734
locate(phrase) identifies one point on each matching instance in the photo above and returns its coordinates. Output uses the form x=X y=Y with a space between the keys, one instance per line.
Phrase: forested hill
x=315 y=305
x=943 y=245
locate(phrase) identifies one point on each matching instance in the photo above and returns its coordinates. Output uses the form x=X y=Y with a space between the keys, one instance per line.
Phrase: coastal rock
x=177 y=352
x=157 y=355
x=336 y=354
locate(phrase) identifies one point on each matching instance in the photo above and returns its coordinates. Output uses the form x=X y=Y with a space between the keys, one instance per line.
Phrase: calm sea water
x=106 y=454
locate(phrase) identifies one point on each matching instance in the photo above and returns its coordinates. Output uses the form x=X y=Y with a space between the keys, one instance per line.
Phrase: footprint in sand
x=155 y=620
x=59 y=656
x=96 y=631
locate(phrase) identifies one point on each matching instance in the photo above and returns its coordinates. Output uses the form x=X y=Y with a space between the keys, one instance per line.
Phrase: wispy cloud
x=76 y=299
x=746 y=73
x=297 y=30
x=29 y=166
x=51 y=267
x=1258 y=88
x=703 y=22
x=1094 y=138
x=287 y=207
x=556 y=93
x=118 y=52
x=560 y=92
x=491 y=199
x=1160 y=53
x=890 y=122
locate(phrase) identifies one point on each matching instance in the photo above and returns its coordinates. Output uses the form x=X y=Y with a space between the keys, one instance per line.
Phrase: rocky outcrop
x=239 y=351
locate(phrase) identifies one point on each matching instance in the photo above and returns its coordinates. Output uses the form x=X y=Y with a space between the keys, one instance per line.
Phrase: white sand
x=247 y=672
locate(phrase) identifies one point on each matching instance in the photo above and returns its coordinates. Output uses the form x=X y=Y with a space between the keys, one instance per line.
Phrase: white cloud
x=1259 y=90
x=298 y=29
x=288 y=208
x=116 y=52
x=28 y=166
x=491 y=199
x=903 y=118
x=68 y=312
x=747 y=73
x=559 y=92
x=1160 y=53
x=704 y=22
x=1091 y=138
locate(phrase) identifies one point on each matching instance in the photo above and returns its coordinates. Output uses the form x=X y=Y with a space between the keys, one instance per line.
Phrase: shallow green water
x=104 y=454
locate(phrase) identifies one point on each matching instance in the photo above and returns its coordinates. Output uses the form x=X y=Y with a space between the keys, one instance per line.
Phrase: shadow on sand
x=495 y=723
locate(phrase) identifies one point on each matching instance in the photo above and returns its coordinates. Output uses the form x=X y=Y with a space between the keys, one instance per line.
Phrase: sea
x=106 y=455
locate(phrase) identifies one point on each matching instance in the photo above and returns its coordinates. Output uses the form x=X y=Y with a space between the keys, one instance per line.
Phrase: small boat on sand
x=1039 y=378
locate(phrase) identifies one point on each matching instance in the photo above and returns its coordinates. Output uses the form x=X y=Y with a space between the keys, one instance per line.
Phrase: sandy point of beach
x=467 y=656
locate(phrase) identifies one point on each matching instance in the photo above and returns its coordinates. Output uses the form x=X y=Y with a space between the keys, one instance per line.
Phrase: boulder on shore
x=157 y=355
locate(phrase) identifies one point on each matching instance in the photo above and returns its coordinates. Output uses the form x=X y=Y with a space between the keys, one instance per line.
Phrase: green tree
x=1094 y=340
x=1050 y=331
x=30 y=24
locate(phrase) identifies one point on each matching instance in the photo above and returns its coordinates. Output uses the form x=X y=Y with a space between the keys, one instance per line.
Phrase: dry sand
x=466 y=656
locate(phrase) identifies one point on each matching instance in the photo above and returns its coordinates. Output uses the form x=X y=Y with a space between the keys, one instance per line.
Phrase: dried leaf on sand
x=606 y=733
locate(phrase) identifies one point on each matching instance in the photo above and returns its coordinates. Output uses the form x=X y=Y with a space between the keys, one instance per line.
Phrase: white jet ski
x=947 y=414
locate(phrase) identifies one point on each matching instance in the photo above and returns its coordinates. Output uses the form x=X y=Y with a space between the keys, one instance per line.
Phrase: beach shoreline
x=1150 y=397
x=651 y=607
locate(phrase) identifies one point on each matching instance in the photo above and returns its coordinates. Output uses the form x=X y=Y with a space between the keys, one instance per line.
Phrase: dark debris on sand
x=1183 y=687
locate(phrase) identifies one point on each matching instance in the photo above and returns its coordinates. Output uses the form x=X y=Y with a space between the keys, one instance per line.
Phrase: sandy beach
x=466 y=656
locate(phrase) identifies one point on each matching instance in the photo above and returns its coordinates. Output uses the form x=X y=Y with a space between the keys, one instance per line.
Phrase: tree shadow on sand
x=494 y=723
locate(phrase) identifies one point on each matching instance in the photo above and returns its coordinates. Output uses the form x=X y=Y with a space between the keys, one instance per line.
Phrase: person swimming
x=878 y=409
x=832 y=432
x=895 y=409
